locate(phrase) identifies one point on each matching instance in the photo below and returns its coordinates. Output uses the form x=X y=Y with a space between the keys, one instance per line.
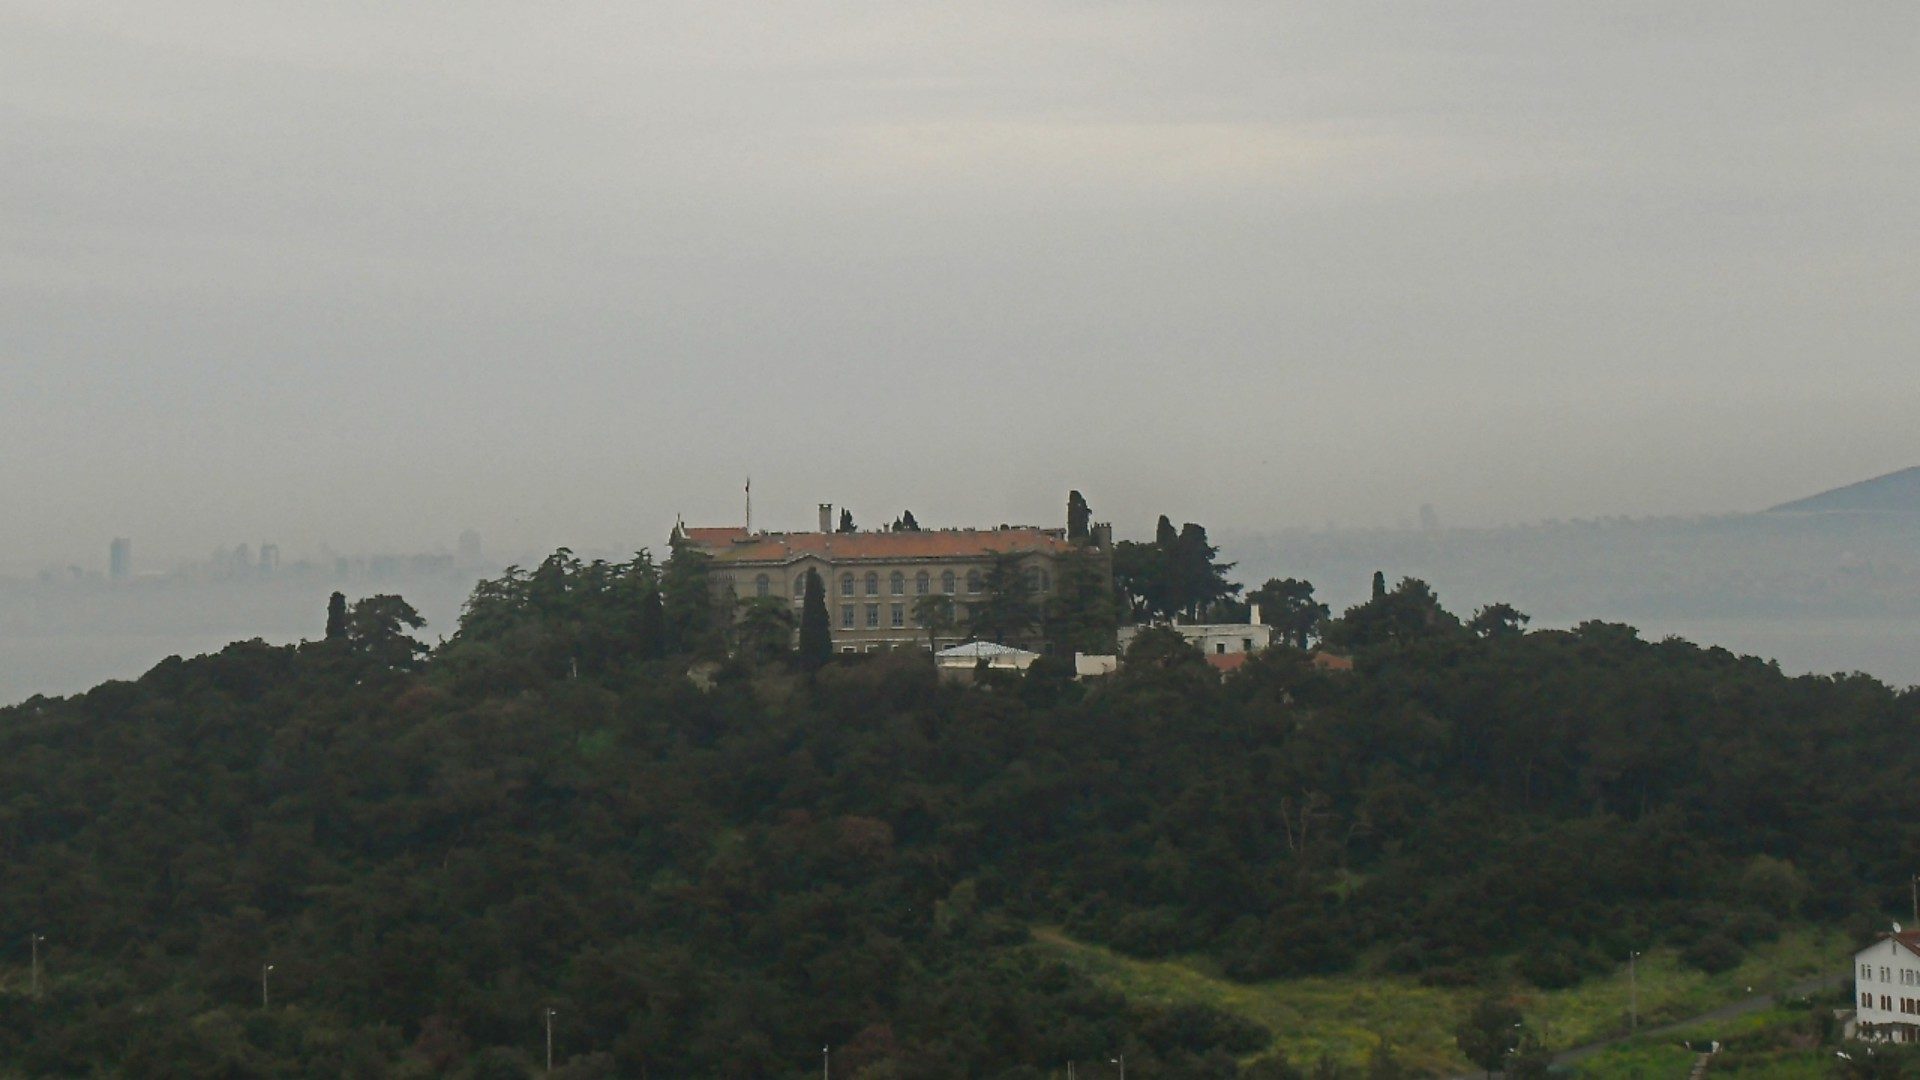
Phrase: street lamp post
x=1633 y=992
x=33 y=942
x=826 y=1062
x=1122 y=1062
x=265 y=970
x=549 y=1038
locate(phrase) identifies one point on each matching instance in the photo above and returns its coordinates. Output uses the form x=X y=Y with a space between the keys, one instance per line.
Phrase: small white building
x=967 y=657
x=1214 y=639
x=1886 y=977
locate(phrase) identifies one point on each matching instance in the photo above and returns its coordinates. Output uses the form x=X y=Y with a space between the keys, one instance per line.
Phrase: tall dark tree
x=933 y=612
x=1140 y=577
x=1165 y=536
x=1082 y=612
x=1007 y=614
x=1079 y=516
x=337 y=617
x=1499 y=620
x=1199 y=581
x=846 y=520
x=907 y=523
x=763 y=632
x=377 y=629
x=1288 y=605
x=816 y=629
x=687 y=600
x=1379 y=584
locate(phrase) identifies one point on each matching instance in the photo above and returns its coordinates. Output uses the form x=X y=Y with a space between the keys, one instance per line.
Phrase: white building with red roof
x=1886 y=979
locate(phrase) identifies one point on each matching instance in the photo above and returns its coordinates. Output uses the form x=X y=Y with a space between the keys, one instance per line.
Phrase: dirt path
x=1749 y=1004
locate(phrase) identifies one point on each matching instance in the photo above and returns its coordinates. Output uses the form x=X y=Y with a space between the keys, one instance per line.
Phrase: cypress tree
x=337 y=617
x=1379 y=585
x=1079 y=515
x=816 y=632
x=846 y=520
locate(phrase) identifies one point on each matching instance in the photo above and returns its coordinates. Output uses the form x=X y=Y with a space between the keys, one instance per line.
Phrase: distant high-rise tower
x=470 y=553
x=269 y=558
x=120 y=559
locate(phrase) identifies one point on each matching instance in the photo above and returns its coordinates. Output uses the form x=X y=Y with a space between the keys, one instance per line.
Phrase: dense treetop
x=716 y=876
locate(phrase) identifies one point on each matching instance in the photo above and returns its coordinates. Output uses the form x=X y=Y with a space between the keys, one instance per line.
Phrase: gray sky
x=369 y=273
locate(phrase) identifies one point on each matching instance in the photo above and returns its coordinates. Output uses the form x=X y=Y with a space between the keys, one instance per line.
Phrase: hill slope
x=1894 y=493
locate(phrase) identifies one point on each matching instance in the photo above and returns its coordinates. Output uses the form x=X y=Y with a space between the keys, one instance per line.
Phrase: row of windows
x=896 y=615
x=1037 y=579
x=1908 y=976
x=1910 y=1006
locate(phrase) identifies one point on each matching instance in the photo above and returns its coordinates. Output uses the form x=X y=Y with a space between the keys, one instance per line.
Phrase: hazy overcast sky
x=368 y=273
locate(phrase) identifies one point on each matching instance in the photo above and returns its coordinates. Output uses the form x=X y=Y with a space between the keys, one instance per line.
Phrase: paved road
x=1751 y=1003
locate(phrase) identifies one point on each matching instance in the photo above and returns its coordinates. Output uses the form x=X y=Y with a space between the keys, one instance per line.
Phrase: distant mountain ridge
x=1894 y=493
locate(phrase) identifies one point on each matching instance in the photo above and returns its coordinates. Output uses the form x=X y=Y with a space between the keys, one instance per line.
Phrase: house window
x=873 y=615
x=846 y=616
x=1866 y=1001
x=1220 y=648
x=800 y=587
x=873 y=583
x=762 y=585
x=973 y=581
x=946 y=582
x=920 y=583
x=846 y=584
x=897 y=583
x=899 y=615
x=1246 y=644
x=848 y=649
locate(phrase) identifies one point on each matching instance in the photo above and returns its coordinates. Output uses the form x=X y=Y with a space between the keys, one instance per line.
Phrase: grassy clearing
x=1344 y=1017
x=1771 y=1045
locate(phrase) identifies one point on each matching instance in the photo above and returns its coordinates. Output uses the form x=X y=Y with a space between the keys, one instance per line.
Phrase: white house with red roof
x=1886 y=978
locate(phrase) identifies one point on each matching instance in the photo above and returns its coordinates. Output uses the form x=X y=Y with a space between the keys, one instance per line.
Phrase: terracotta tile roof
x=735 y=545
x=1327 y=661
x=1225 y=662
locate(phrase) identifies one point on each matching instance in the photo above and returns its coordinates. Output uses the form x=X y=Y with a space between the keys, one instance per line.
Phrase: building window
x=762 y=585
x=920 y=583
x=973 y=581
x=800 y=587
x=946 y=582
x=1221 y=648
x=846 y=616
x=846 y=584
x=1246 y=644
x=897 y=584
x=873 y=615
x=848 y=649
x=1033 y=579
x=899 y=614
x=873 y=583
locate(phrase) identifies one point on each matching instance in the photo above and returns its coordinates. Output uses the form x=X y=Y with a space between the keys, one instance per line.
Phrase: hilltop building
x=120 y=559
x=874 y=578
x=1215 y=639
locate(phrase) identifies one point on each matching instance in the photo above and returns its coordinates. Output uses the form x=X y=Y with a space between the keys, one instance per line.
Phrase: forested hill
x=547 y=812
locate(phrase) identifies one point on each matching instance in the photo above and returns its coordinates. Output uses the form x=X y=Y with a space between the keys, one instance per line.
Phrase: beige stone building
x=874 y=578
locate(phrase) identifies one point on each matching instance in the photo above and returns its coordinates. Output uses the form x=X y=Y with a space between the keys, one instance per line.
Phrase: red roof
x=1230 y=661
x=736 y=545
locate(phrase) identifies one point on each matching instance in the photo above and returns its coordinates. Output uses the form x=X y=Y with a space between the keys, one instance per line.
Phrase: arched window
x=762 y=585
x=897 y=584
x=873 y=583
x=846 y=584
x=799 y=586
x=1033 y=578
x=920 y=582
x=973 y=581
x=946 y=582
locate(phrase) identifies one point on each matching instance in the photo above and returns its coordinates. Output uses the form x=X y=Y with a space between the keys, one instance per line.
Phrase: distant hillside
x=1894 y=493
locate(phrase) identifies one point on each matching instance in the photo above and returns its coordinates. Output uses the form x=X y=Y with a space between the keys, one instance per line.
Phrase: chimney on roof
x=1253 y=614
x=826 y=517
